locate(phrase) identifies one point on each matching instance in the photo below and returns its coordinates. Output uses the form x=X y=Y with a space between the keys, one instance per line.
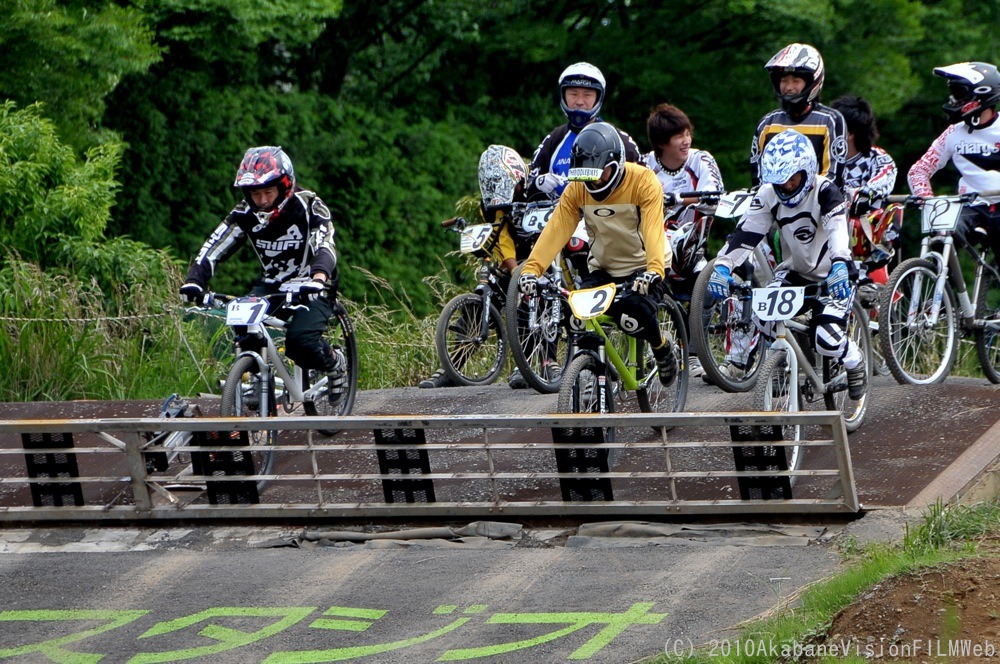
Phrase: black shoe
x=517 y=381
x=438 y=379
x=666 y=363
x=857 y=381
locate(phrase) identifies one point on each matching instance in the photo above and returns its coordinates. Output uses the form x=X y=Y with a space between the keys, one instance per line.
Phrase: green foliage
x=49 y=193
x=70 y=55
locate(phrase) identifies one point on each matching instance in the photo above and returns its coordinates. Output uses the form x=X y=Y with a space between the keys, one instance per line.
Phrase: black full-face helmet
x=598 y=147
x=803 y=61
x=973 y=87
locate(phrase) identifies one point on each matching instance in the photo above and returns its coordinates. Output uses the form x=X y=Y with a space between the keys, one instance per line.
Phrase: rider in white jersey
x=972 y=143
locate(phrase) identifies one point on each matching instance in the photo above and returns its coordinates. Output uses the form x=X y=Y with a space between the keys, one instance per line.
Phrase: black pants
x=304 y=341
x=634 y=313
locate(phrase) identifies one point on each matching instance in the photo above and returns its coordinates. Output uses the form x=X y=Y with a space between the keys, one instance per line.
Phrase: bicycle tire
x=988 y=341
x=653 y=396
x=339 y=334
x=710 y=338
x=467 y=360
x=854 y=411
x=580 y=391
x=528 y=346
x=771 y=394
x=914 y=354
x=241 y=398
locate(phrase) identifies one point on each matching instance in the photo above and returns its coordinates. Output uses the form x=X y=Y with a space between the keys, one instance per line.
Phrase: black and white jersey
x=296 y=243
x=813 y=233
x=875 y=170
x=552 y=156
x=823 y=126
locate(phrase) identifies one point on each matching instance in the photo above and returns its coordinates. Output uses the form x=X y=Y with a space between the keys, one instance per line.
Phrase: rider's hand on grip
x=838 y=282
x=670 y=200
x=548 y=183
x=527 y=283
x=647 y=283
x=192 y=293
x=718 y=283
x=862 y=202
x=311 y=290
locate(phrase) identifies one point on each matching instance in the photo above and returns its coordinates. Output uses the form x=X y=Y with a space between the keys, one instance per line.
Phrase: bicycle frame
x=949 y=270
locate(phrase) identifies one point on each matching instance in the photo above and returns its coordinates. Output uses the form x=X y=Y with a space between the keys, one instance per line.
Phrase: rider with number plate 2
x=622 y=208
x=810 y=213
x=972 y=143
x=290 y=230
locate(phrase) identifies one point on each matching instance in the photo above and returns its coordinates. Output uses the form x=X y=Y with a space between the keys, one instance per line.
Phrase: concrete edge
x=973 y=476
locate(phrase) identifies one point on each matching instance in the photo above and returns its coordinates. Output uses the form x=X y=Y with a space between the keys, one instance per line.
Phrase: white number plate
x=592 y=302
x=940 y=214
x=246 y=311
x=474 y=238
x=733 y=204
x=534 y=220
x=780 y=303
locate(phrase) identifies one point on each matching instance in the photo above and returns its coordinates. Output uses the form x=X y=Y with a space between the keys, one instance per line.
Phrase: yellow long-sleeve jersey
x=625 y=229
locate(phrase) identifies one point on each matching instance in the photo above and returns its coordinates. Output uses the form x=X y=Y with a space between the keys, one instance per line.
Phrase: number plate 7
x=779 y=303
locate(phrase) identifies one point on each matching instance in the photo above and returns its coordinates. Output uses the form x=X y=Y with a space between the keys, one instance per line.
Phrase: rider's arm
x=756 y=148
x=833 y=216
x=541 y=163
x=838 y=149
x=883 y=173
x=224 y=241
x=560 y=227
x=505 y=251
x=649 y=193
x=749 y=231
x=936 y=157
x=321 y=234
x=707 y=176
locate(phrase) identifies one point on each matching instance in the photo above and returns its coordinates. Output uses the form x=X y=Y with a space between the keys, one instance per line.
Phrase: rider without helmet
x=785 y=155
x=973 y=87
x=598 y=159
x=581 y=75
x=800 y=60
x=501 y=172
x=266 y=166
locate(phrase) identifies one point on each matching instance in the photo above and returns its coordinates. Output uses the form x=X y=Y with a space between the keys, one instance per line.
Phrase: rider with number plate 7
x=622 y=208
x=811 y=214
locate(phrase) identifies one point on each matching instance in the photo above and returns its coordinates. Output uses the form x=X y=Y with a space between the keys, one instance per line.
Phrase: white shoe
x=694 y=367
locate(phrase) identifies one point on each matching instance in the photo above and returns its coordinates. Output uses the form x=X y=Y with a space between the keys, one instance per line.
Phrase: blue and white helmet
x=785 y=155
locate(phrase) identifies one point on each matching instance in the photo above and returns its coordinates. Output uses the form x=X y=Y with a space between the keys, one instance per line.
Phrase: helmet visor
x=585 y=174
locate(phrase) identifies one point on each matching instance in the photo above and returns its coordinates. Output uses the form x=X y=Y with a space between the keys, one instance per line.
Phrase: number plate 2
x=246 y=311
x=940 y=214
x=781 y=303
x=591 y=302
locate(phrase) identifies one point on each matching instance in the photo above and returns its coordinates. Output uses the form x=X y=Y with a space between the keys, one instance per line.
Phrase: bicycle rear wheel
x=988 y=340
x=340 y=335
x=242 y=397
x=652 y=395
x=582 y=392
x=469 y=354
x=917 y=352
x=535 y=345
x=772 y=393
x=722 y=335
x=854 y=411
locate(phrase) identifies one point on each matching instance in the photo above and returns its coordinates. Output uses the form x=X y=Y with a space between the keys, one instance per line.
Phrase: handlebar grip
x=700 y=194
x=448 y=223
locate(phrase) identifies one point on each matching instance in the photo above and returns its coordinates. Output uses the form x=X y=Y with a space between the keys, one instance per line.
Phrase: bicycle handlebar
x=911 y=199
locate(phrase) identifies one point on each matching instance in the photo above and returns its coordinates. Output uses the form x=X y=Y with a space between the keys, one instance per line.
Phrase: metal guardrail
x=111 y=455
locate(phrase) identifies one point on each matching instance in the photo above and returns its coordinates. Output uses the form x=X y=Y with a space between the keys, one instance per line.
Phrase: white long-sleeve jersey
x=975 y=153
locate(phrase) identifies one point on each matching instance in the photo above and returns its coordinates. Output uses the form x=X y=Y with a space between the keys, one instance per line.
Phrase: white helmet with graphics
x=785 y=155
x=581 y=75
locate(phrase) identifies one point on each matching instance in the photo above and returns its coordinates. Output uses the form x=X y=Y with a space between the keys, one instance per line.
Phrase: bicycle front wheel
x=988 y=339
x=582 y=392
x=338 y=401
x=652 y=395
x=538 y=339
x=727 y=342
x=472 y=347
x=773 y=393
x=854 y=411
x=917 y=350
x=242 y=397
